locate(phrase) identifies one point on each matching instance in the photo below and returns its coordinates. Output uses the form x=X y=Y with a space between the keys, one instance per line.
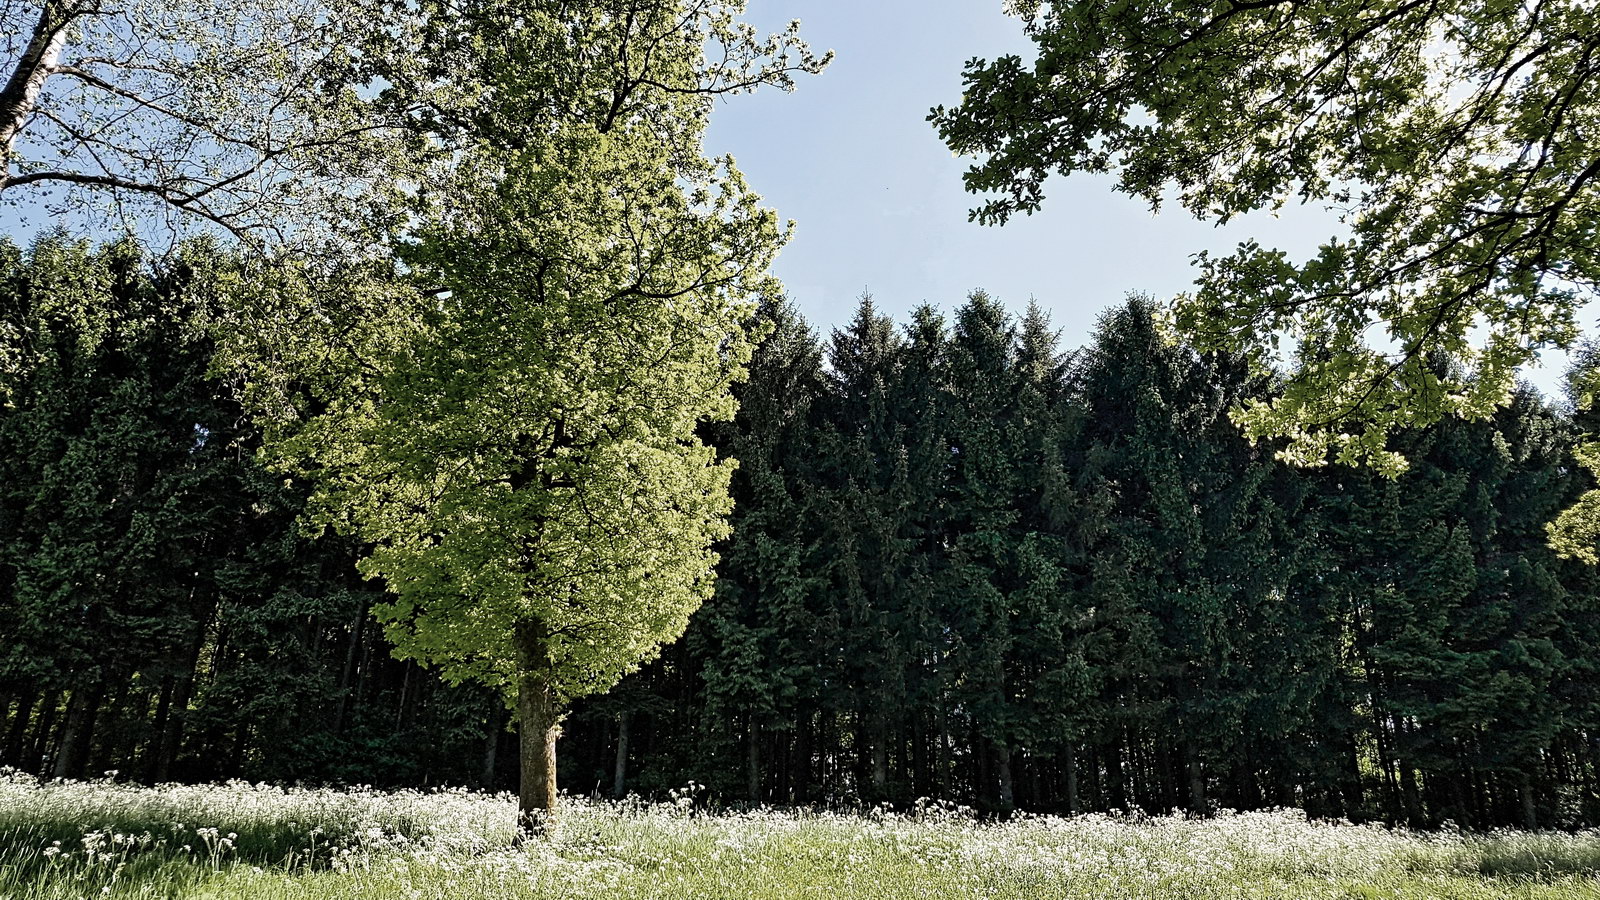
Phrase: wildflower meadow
x=102 y=838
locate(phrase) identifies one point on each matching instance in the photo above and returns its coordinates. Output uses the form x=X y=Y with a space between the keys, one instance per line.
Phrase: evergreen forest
x=967 y=565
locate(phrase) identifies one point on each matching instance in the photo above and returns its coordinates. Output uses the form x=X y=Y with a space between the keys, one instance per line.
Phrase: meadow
x=107 y=839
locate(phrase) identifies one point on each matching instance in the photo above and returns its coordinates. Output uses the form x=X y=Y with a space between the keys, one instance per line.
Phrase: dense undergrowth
x=104 y=839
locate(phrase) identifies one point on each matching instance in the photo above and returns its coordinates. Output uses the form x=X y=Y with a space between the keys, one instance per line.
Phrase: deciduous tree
x=1454 y=138
x=516 y=434
x=269 y=120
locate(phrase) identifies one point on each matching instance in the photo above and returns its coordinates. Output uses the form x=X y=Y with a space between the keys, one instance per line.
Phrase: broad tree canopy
x=266 y=120
x=511 y=418
x=320 y=125
x=1455 y=137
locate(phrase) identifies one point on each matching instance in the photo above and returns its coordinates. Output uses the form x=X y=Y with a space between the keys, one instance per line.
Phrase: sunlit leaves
x=1454 y=139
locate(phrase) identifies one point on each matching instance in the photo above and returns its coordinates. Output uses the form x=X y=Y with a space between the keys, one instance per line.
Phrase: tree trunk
x=1041 y=782
x=348 y=674
x=539 y=725
x=1530 y=809
x=170 y=738
x=405 y=692
x=114 y=711
x=158 y=728
x=801 y=763
x=920 y=785
x=619 y=776
x=63 y=762
x=1350 y=790
x=880 y=756
x=1071 y=761
x=491 y=749
x=1002 y=766
x=79 y=731
x=12 y=752
x=783 y=768
x=980 y=775
x=1411 y=800
x=37 y=61
x=35 y=749
x=1197 y=781
x=942 y=751
x=753 y=763
x=1116 y=785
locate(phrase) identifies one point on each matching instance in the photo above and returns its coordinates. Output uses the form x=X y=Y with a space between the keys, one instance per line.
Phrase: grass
x=102 y=839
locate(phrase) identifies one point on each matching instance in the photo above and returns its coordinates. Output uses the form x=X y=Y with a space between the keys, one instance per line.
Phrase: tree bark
x=1071 y=761
x=1530 y=808
x=880 y=756
x=919 y=757
x=1116 y=782
x=1002 y=764
x=170 y=738
x=12 y=752
x=539 y=716
x=116 y=705
x=35 y=749
x=348 y=674
x=21 y=91
x=491 y=749
x=942 y=753
x=79 y=730
x=1411 y=799
x=1197 y=781
x=801 y=762
x=619 y=775
x=1350 y=789
x=980 y=774
x=753 y=763
x=158 y=729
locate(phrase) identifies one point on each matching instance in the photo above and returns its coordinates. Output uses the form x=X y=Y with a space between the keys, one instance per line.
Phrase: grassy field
x=102 y=839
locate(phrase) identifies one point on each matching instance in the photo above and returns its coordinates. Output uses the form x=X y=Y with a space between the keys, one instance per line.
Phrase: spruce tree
x=755 y=634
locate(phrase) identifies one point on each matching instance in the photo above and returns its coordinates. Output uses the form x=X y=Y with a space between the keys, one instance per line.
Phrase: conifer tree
x=861 y=447
x=1456 y=604
x=1185 y=563
x=1047 y=666
x=121 y=477
x=755 y=633
x=920 y=404
x=983 y=581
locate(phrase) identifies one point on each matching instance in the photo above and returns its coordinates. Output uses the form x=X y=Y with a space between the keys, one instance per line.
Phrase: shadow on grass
x=96 y=849
x=1539 y=857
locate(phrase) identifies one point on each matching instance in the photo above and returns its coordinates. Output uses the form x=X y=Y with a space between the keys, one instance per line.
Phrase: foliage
x=264 y=120
x=530 y=452
x=315 y=127
x=1452 y=137
x=962 y=565
x=121 y=478
x=1574 y=532
x=967 y=566
x=520 y=451
x=153 y=575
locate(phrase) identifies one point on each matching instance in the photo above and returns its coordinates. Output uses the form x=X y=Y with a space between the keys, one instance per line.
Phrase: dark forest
x=968 y=565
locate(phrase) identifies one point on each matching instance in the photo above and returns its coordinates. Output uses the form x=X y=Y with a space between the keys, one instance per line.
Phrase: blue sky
x=877 y=198
x=878 y=202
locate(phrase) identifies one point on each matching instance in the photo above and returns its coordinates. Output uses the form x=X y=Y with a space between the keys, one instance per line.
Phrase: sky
x=877 y=198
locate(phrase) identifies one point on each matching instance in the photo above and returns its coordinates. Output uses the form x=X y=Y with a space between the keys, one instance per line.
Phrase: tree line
x=162 y=612
x=964 y=565
x=477 y=300
x=495 y=309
